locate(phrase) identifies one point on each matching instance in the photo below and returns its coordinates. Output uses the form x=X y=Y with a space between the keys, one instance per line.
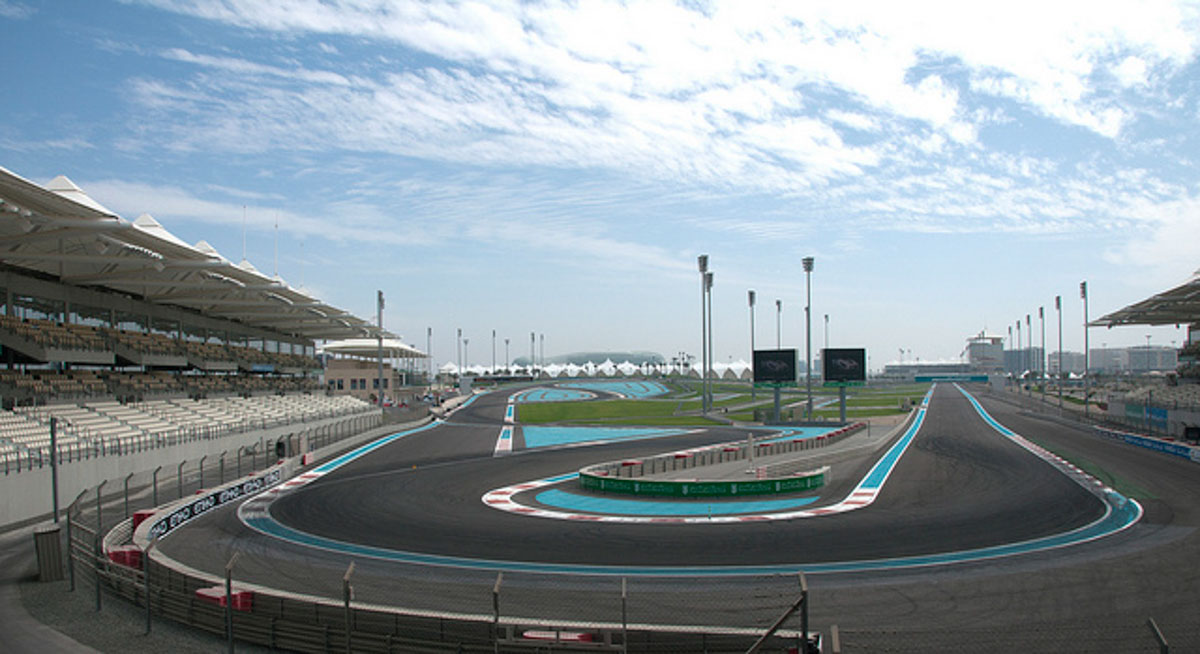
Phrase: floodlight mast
x=808 y=267
x=1087 y=382
x=753 y=390
x=708 y=385
x=702 y=264
x=1058 y=308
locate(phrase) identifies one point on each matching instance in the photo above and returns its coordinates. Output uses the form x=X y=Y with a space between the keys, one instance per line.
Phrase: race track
x=960 y=486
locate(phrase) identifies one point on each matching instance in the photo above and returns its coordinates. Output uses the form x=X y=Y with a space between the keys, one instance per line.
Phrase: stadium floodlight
x=778 y=324
x=1058 y=308
x=808 y=267
x=750 y=295
x=702 y=264
x=708 y=382
x=1087 y=384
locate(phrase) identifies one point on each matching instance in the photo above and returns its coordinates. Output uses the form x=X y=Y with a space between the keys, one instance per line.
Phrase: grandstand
x=1167 y=404
x=126 y=338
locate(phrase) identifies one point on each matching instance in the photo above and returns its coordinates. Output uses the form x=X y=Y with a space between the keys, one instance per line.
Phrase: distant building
x=910 y=371
x=985 y=353
x=1019 y=362
x=1072 y=363
x=1135 y=360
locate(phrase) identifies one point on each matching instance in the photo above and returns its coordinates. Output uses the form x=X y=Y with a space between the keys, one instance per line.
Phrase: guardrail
x=1157 y=444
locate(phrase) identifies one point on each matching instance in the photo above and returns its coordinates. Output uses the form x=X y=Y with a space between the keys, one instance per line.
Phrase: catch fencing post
x=222 y=467
x=155 y=484
x=53 y=465
x=229 y=599
x=624 y=620
x=801 y=602
x=70 y=541
x=347 y=591
x=127 y=478
x=97 y=551
x=201 y=467
x=179 y=477
x=146 y=580
x=496 y=612
x=803 y=613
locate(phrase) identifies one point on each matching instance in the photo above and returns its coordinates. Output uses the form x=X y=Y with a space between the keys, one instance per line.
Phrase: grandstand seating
x=50 y=334
x=110 y=425
x=1181 y=396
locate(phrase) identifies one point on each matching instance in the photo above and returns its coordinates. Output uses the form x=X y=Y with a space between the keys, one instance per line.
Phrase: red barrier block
x=560 y=636
x=141 y=516
x=631 y=462
x=243 y=600
x=307 y=459
x=129 y=556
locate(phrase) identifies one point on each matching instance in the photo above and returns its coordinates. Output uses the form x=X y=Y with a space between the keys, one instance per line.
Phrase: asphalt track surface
x=960 y=486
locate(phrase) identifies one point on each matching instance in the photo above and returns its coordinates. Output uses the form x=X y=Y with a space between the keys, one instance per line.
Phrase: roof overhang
x=59 y=231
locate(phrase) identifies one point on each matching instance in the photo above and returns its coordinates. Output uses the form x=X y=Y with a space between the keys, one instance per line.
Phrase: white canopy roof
x=59 y=231
x=393 y=348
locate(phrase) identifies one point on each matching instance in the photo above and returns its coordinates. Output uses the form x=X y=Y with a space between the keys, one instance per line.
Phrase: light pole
x=493 y=352
x=778 y=324
x=466 y=356
x=826 y=331
x=1087 y=364
x=458 y=349
x=1029 y=348
x=1042 y=356
x=708 y=385
x=507 y=361
x=808 y=267
x=542 y=350
x=702 y=264
x=1058 y=308
x=379 y=380
x=429 y=352
x=1020 y=359
x=532 y=351
x=753 y=390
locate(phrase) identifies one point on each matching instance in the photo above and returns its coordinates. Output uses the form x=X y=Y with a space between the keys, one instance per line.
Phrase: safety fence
x=607 y=613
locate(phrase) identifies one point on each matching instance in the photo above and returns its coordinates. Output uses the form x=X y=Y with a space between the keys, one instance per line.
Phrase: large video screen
x=775 y=366
x=845 y=364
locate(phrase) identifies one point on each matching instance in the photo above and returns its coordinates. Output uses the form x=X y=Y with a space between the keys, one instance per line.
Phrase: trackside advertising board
x=775 y=366
x=844 y=365
x=209 y=501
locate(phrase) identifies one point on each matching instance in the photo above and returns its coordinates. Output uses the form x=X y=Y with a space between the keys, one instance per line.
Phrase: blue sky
x=556 y=168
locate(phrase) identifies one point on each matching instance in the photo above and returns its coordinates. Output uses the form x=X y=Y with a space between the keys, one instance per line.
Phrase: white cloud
x=15 y=10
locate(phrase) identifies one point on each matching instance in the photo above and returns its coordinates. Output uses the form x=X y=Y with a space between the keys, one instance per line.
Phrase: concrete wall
x=27 y=495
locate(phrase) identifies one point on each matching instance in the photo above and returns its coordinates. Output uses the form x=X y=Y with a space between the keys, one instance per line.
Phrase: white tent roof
x=59 y=231
x=369 y=347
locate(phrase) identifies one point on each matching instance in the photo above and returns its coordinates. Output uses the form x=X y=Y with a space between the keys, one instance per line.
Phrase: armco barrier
x=1168 y=447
